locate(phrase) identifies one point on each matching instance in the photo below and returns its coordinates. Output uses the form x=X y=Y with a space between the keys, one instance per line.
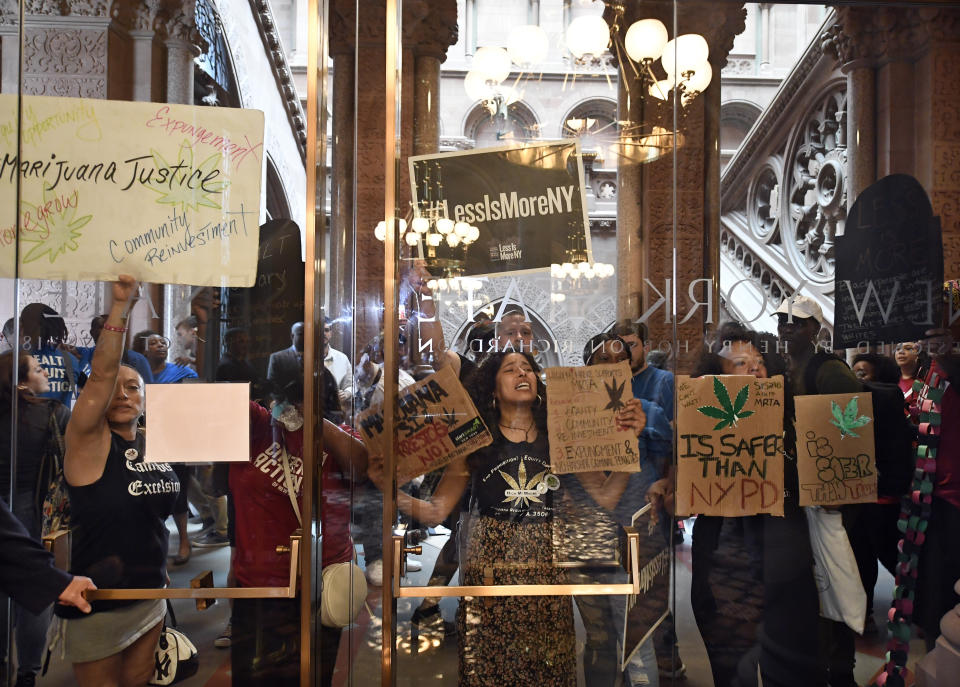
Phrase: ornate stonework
x=63 y=8
x=281 y=72
x=135 y=15
x=64 y=61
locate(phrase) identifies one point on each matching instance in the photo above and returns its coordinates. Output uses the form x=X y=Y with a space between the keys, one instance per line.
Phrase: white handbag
x=842 y=597
x=175 y=658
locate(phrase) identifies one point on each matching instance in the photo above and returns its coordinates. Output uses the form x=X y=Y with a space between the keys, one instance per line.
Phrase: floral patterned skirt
x=514 y=640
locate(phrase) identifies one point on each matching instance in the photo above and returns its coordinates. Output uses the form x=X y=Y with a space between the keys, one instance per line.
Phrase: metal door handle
x=632 y=586
x=288 y=592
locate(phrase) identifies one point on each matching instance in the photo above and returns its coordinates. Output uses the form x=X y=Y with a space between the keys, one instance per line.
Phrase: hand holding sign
x=730 y=448
x=835 y=449
x=592 y=419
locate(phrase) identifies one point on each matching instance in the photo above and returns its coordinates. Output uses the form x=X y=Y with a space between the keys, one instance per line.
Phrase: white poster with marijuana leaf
x=167 y=193
x=836 y=457
x=729 y=445
x=582 y=407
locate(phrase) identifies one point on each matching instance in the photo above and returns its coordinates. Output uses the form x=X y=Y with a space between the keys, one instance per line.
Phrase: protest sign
x=836 y=458
x=166 y=193
x=527 y=202
x=582 y=404
x=730 y=448
x=889 y=265
x=645 y=611
x=173 y=407
x=435 y=422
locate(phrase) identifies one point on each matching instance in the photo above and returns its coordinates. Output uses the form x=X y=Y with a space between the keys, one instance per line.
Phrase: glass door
x=524 y=196
x=141 y=140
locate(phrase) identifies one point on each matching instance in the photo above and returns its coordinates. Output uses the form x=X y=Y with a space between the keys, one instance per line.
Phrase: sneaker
x=210 y=539
x=414 y=566
x=223 y=641
x=670 y=665
x=374 y=573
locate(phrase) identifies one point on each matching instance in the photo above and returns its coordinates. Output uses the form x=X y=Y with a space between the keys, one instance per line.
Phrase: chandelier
x=643 y=51
x=433 y=237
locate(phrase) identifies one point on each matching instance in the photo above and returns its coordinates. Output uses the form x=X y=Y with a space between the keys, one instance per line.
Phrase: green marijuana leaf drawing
x=176 y=191
x=54 y=227
x=615 y=393
x=728 y=413
x=848 y=420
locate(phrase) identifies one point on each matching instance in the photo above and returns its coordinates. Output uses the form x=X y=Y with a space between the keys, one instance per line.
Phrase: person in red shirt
x=265 y=646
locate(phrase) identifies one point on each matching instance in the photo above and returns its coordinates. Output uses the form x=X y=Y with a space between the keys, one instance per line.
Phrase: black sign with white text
x=889 y=266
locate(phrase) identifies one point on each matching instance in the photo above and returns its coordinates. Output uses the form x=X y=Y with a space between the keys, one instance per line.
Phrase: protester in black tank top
x=119 y=504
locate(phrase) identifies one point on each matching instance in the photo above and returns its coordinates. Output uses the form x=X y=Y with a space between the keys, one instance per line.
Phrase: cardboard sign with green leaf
x=582 y=406
x=835 y=449
x=730 y=445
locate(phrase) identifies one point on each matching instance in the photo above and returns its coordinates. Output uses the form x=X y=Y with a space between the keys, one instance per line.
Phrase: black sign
x=889 y=266
x=646 y=610
x=527 y=204
x=270 y=308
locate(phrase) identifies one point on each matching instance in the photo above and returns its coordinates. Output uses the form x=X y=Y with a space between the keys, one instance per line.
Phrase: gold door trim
x=632 y=586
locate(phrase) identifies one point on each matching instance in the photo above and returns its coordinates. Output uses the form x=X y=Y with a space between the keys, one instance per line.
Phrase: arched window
x=489 y=126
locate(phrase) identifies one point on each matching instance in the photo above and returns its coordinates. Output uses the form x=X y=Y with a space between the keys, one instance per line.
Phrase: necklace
x=526 y=432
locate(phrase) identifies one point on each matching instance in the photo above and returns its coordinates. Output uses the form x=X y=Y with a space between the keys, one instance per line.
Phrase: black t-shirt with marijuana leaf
x=513 y=481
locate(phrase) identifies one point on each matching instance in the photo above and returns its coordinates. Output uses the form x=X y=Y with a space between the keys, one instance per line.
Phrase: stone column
x=419 y=30
x=176 y=22
x=342 y=258
x=940 y=667
x=630 y=254
x=903 y=71
x=675 y=246
x=426 y=120
x=861 y=113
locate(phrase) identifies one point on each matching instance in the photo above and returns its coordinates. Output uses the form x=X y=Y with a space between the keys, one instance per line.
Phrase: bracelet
x=111 y=328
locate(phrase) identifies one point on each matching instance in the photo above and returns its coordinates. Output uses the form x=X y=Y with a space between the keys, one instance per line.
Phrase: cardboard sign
x=174 y=409
x=730 y=445
x=582 y=404
x=836 y=457
x=889 y=266
x=435 y=422
x=166 y=193
x=646 y=610
x=527 y=202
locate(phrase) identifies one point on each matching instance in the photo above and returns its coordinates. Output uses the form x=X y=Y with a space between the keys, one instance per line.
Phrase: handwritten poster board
x=527 y=201
x=646 y=610
x=167 y=193
x=174 y=408
x=582 y=403
x=836 y=457
x=730 y=447
x=435 y=423
x=889 y=265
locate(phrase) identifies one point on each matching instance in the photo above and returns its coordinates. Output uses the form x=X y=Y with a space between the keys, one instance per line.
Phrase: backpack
x=893 y=433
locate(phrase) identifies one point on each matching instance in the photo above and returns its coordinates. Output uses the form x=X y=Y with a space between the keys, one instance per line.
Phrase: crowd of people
x=511 y=519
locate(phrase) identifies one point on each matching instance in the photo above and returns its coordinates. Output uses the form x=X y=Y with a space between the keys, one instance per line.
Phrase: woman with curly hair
x=511 y=532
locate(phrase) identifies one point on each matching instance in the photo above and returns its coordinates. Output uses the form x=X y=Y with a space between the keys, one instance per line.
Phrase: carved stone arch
x=519 y=123
x=603 y=109
x=763 y=201
x=278 y=207
x=813 y=203
x=602 y=134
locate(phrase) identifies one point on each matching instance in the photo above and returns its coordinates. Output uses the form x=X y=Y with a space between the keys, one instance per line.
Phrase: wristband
x=111 y=328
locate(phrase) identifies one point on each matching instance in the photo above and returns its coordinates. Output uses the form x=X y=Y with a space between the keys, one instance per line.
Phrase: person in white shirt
x=339 y=366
